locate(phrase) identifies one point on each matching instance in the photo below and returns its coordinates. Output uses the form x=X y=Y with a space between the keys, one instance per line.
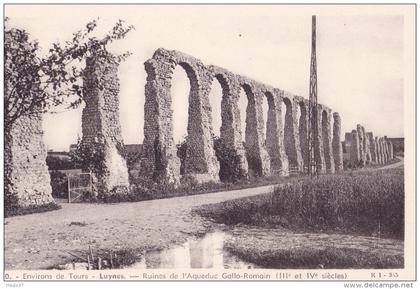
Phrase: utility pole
x=313 y=108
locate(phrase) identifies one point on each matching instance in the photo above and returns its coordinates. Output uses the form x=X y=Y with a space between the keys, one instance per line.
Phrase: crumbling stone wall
x=378 y=152
x=375 y=149
x=391 y=150
x=353 y=142
x=159 y=148
x=27 y=181
x=327 y=141
x=270 y=151
x=366 y=146
x=303 y=131
x=291 y=132
x=230 y=131
x=372 y=147
x=275 y=135
x=101 y=127
x=319 y=143
x=362 y=145
x=336 y=143
x=257 y=155
x=387 y=149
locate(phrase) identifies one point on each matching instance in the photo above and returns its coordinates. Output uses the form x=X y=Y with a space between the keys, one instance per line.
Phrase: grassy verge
x=357 y=203
x=367 y=203
x=312 y=258
x=147 y=190
x=10 y=211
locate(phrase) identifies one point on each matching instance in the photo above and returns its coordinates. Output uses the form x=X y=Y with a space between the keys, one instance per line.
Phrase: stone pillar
x=291 y=134
x=336 y=143
x=230 y=132
x=26 y=177
x=101 y=126
x=257 y=155
x=362 y=145
x=391 y=150
x=319 y=146
x=275 y=136
x=372 y=146
x=160 y=160
x=366 y=146
x=379 y=150
x=383 y=152
x=327 y=141
x=386 y=151
x=354 y=151
x=303 y=105
x=378 y=154
x=200 y=162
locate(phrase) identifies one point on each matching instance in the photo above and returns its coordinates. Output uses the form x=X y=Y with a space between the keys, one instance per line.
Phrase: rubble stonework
x=362 y=145
x=319 y=144
x=366 y=146
x=327 y=141
x=101 y=127
x=385 y=150
x=303 y=131
x=372 y=147
x=391 y=150
x=336 y=143
x=275 y=135
x=352 y=142
x=272 y=151
x=257 y=155
x=377 y=150
x=291 y=133
x=230 y=131
x=159 y=155
x=380 y=151
x=27 y=181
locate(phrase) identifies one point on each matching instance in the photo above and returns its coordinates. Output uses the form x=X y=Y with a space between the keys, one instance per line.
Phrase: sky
x=360 y=57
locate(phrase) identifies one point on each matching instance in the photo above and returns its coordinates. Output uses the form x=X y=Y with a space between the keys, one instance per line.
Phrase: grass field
x=369 y=204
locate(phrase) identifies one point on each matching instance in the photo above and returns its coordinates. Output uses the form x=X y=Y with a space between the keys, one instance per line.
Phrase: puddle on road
x=206 y=252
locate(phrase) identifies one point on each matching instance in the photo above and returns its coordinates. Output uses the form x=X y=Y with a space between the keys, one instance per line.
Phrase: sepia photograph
x=204 y=142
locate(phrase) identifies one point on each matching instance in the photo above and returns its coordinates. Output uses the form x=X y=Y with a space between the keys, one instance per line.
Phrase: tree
x=35 y=84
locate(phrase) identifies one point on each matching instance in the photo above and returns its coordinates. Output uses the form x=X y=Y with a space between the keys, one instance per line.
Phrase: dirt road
x=41 y=240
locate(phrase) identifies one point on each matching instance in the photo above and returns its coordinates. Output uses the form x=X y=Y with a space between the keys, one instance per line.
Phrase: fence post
x=68 y=186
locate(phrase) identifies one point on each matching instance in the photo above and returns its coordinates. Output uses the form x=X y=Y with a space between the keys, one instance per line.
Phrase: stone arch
x=336 y=143
x=303 y=133
x=274 y=135
x=101 y=128
x=159 y=159
x=183 y=83
x=230 y=131
x=257 y=157
x=226 y=92
x=290 y=134
x=327 y=141
x=236 y=166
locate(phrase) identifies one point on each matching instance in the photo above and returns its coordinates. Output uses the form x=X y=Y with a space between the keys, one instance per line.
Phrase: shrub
x=230 y=162
x=17 y=211
x=56 y=163
x=59 y=184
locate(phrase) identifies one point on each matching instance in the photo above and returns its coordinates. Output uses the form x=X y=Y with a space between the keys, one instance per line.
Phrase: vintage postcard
x=209 y=142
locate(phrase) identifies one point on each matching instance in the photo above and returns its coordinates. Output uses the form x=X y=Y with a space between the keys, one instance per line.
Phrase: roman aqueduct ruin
x=278 y=150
